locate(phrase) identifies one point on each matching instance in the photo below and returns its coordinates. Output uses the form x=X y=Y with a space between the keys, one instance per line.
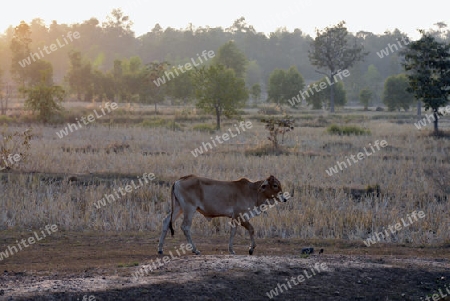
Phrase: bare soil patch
x=68 y=266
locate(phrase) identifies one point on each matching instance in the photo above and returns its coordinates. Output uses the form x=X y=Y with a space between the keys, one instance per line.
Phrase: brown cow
x=214 y=198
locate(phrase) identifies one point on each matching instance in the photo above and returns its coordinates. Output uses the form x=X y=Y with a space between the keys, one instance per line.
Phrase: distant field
x=64 y=178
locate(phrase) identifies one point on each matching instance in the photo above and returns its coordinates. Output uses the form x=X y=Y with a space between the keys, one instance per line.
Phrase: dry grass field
x=96 y=250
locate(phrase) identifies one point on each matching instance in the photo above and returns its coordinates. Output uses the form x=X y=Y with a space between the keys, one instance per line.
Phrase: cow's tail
x=172 y=197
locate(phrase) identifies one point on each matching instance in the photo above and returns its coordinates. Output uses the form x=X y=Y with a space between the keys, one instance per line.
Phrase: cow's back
x=215 y=198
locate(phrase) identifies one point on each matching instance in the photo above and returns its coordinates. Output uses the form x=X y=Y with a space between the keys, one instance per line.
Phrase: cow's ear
x=264 y=185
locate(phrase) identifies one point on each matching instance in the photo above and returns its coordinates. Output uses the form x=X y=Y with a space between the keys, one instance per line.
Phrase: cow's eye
x=275 y=186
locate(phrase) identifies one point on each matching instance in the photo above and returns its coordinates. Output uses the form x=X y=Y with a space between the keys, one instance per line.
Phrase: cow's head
x=271 y=188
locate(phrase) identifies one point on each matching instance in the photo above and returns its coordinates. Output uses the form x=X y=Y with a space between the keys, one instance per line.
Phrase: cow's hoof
x=250 y=251
x=160 y=252
x=232 y=252
x=196 y=252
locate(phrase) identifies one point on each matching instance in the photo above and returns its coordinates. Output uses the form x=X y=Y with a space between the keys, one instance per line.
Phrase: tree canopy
x=330 y=51
x=396 y=95
x=284 y=85
x=427 y=62
x=219 y=91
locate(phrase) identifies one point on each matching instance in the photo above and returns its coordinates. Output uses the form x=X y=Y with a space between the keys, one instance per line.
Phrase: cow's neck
x=260 y=199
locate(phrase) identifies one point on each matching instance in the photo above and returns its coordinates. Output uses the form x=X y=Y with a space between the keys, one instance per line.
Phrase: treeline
x=105 y=51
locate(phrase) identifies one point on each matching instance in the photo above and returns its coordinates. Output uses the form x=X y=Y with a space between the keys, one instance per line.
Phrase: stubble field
x=97 y=248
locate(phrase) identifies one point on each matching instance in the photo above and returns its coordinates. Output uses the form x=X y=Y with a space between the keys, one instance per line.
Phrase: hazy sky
x=376 y=16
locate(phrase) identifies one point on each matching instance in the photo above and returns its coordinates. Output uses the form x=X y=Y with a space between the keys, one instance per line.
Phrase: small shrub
x=207 y=128
x=270 y=111
x=121 y=112
x=14 y=147
x=266 y=150
x=155 y=123
x=278 y=127
x=172 y=125
x=347 y=130
x=317 y=122
x=5 y=119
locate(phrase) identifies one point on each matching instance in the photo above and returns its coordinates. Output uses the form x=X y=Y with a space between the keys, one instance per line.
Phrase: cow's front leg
x=232 y=233
x=251 y=231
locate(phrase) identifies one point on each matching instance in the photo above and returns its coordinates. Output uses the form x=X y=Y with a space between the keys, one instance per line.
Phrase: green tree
x=80 y=76
x=231 y=57
x=284 y=85
x=117 y=75
x=396 y=95
x=20 y=50
x=373 y=81
x=102 y=86
x=150 y=92
x=355 y=82
x=255 y=92
x=182 y=87
x=428 y=64
x=277 y=80
x=44 y=100
x=364 y=97
x=294 y=83
x=330 y=51
x=320 y=99
x=39 y=70
x=219 y=91
x=254 y=73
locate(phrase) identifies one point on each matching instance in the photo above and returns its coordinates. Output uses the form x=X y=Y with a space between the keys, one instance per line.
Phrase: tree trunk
x=436 y=131
x=218 y=118
x=332 y=94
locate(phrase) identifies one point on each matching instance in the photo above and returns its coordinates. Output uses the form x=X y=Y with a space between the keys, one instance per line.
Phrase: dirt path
x=77 y=265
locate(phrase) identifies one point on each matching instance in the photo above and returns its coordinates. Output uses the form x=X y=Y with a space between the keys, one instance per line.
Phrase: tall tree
x=374 y=82
x=364 y=97
x=182 y=87
x=396 y=95
x=277 y=80
x=253 y=73
x=151 y=92
x=219 y=91
x=44 y=99
x=255 y=92
x=330 y=51
x=39 y=70
x=80 y=76
x=20 y=49
x=427 y=62
x=284 y=85
x=320 y=99
x=230 y=56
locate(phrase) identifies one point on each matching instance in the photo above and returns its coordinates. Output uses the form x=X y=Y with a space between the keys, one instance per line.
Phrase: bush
x=5 y=119
x=266 y=150
x=14 y=147
x=203 y=127
x=270 y=111
x=154 y=123
x=317 y=122
x=347 y=130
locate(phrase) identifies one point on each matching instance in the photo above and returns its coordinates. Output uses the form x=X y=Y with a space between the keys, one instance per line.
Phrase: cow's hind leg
x=186 y=227
x=251 y=231
x=232 y=233
x=165 y=225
